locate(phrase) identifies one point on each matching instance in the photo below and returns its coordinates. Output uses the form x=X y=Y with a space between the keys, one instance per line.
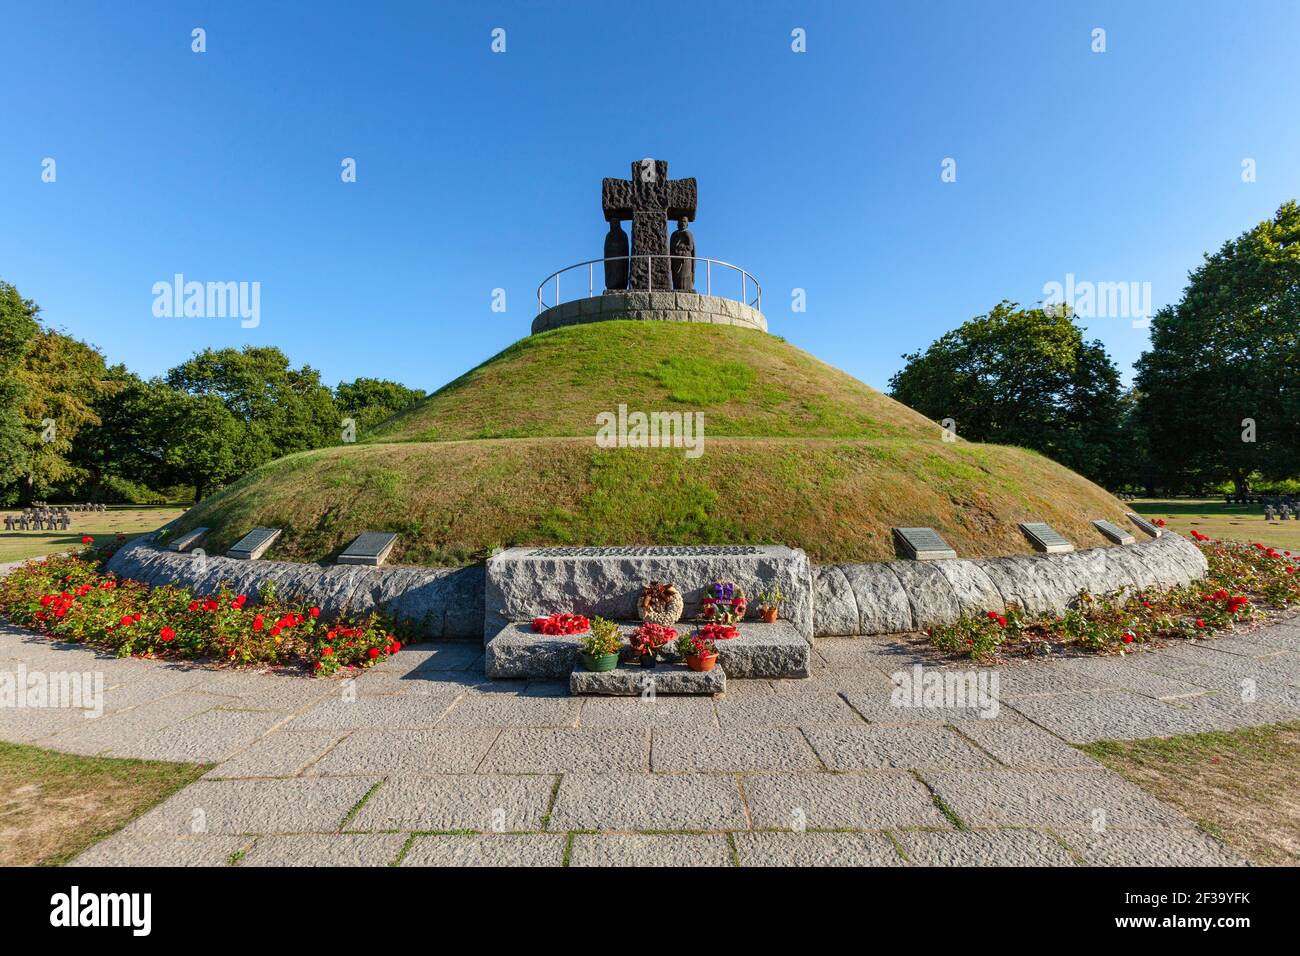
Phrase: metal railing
x=553 y=280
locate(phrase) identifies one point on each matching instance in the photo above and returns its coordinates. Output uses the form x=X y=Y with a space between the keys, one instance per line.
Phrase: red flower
x=326 y=651
x=1200 y=622
x=194 y=605
x=314 y=612
x=167 y=634
x=257 y=622
x=126 y=620
x=87 y=539
x=992 y=615
x=275 y=631
x=1127 y=638
x=373 y=652
x=210 y=605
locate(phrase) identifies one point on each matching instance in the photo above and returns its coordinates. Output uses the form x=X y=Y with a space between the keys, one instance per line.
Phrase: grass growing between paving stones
x=1241 y=786
x=54 y=805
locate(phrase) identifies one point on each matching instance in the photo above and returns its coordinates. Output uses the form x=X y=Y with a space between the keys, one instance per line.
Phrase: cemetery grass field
x=1219 y=520
x=1239 y=786
x=795 y=452
x=54 y=805
x=130 y=520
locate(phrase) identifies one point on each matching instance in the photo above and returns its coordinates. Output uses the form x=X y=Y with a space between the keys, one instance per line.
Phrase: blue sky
x=476 y=170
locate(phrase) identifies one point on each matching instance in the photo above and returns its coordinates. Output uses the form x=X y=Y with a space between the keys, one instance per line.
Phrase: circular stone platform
x=652 y=306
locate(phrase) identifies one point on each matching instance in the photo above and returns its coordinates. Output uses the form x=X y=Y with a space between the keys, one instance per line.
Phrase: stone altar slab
x=630 y=680
x=524 y=583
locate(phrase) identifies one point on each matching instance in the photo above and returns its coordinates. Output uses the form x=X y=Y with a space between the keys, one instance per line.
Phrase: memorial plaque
x=254 y=544
x=1045 y=538
x=370 y=548
x=189 y=539
x=921 y=544
x=1144 y=524
x=1114 y=532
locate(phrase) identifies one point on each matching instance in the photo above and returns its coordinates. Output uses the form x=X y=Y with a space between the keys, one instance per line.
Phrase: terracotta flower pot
x=769 y=615
x=701 y=662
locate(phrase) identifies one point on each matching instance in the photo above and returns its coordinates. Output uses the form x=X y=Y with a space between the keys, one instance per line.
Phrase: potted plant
x=700 y=653
x=648 y=638
x=769 y=603
x=598 y=650
x=660 y=603
x=723 y=603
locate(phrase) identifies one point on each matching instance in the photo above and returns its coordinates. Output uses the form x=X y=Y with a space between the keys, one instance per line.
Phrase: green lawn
x=54 y=805
x=130 y=520
x=1232 y=522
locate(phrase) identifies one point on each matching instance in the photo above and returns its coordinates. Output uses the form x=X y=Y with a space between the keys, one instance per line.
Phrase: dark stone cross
x=649 y=199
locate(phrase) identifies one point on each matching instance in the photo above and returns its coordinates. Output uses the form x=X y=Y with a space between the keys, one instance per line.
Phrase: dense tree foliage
x=1221 y=395
x=18 y=326
x=368 y=401
x=1022 y=377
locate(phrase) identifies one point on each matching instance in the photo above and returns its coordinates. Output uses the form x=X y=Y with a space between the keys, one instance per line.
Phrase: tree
x=131 y=439
x=1221 y=396
x=368 y=401
x=206 y=443
x=18 y=326
x=63 y=379
x=1022 y=377
x=283 y=410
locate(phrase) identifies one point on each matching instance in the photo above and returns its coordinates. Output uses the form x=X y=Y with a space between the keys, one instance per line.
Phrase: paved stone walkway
x=422 y=761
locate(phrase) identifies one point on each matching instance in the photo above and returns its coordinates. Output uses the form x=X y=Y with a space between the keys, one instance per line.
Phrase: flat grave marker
x=254 y=544
x=1045 y=538
x=921 y=544
x=189 y=539
x=1154 y=530
x=370 y=548
x=1114 y=532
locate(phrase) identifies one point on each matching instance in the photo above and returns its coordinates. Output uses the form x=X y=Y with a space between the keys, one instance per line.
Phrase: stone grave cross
x=649 y=199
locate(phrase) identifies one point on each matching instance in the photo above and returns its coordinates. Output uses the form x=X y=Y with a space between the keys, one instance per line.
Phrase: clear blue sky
x=477 y=170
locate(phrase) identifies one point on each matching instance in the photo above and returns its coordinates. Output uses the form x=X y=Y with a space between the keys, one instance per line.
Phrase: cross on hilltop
x=649 y=199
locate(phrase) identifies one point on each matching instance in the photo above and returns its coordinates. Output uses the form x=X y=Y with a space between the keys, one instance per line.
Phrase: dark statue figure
x=683 y=244
x=615 y=257
x=649 y=199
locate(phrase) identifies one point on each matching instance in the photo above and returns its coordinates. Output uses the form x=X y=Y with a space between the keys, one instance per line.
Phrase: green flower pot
x=605 y=662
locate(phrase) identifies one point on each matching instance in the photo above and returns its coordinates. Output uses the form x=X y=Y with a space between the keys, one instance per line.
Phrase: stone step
x=760 y=650
x=633 y=680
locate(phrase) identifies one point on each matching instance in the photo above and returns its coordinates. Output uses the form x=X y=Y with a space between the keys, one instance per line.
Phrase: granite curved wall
x=893 y=596
x=651 y=306
x=436 y=602
x=848 y=599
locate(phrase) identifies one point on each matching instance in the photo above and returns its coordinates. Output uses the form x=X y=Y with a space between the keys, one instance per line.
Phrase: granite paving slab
x=503 y=849
x=1150 y=848
x=736 y=750
x=1023 y=745
x=816 y=849
x=254 y=806
x=568 y=750
x=386 y=712
x=208 y=737
x=508 y=711
x=1085 y=716
x=1060 y=797
x=383 y=752
x=870 y=800
x=658 y=850
x=984 y=848
x=646 y=801
x=336 y=849
x=785 y=711
x=665 y=712
x=131 y=849
x=873 y=746
x=487 y=803
x=283 y=753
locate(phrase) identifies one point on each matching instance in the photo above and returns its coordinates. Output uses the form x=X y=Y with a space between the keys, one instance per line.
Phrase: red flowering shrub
x=648 y=637
x=1240 y=575
x=561 y=624
x=69 y=598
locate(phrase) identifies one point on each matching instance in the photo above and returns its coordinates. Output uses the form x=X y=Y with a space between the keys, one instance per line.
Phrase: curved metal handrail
x=590 y=264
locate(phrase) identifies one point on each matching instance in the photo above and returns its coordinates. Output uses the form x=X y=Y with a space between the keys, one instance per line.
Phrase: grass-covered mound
x=795 y=452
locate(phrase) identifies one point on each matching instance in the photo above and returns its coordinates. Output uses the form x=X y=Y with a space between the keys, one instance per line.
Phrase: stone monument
x=649 y=199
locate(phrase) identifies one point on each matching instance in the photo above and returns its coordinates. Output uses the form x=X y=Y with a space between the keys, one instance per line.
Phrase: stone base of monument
x=760 y=650
x=633 y=680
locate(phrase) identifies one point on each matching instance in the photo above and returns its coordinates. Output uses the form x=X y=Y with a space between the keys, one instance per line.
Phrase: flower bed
x=1243 y=581
x=68 y=597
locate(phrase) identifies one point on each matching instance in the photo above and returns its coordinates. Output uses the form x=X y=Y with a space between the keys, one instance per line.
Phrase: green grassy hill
x=795 y=452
